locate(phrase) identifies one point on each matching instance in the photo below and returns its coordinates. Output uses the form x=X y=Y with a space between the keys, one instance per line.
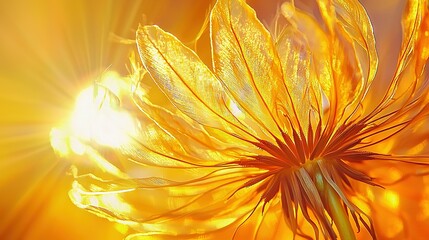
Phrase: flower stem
x=335 y=208
x=339 y=215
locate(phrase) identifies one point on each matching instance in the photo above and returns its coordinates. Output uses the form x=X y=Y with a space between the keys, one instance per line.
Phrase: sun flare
x=97 y=117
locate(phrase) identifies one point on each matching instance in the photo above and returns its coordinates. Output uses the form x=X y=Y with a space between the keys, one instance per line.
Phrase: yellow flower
x=279 y=139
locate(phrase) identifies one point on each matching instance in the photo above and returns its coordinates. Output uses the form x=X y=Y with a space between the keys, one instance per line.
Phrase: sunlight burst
x=97 y=118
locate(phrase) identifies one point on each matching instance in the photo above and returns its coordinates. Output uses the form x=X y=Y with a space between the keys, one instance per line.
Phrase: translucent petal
x=409 y=83
x=258 y=226
x=403 y=110
x=303 y=49
x=353 y=55
x=415 y=29
x=186 y=81
x=193 y=138
x=244 y=58
x=354 y=19
x=158 y=206
x=414 y=50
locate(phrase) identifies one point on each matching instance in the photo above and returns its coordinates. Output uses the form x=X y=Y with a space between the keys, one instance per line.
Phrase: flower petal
x=246 y=62
x=172 y=139
x=353 y=55
x=415 y=24
x=414 y=52
x=404 y=108
x=303 y=49
x=355 y=21
x=186 y=81
x=158 y=206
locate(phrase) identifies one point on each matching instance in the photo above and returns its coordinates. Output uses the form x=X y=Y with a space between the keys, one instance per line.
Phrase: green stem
x=335 y=208
x=339 y=214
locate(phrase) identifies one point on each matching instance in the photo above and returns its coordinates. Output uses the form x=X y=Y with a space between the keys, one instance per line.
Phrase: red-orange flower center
x=307 y=170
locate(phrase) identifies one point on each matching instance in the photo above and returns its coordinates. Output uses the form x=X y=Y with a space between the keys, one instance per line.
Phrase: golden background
x=51 y=50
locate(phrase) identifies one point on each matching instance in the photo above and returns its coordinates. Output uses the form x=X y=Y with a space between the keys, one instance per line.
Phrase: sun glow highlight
x=59 y=142
x=98 y=117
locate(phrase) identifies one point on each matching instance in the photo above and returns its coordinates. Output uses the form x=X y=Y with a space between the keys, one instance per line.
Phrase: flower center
x=306 y=184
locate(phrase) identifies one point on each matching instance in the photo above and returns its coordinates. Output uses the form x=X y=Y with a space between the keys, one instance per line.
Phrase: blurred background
x=52 y=49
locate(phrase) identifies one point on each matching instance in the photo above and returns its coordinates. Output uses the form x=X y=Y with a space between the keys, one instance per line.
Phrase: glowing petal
x=352 y=55
x=303 y=49
x=354 y=19
x=413 y=54
x=186 y=81
x=159 y=206
x=246 y=62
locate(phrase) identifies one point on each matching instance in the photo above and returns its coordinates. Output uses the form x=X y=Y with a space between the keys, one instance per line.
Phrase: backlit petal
x=245 y=60
x=303 y=49
x=354 y=59
x=160 y=206
x=354 y=19
x=186 y=81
